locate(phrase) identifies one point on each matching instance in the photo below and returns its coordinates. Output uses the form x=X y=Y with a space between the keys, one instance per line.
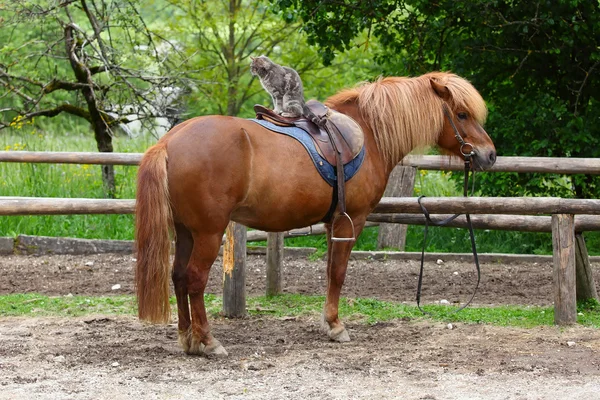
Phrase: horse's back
x=226 y=167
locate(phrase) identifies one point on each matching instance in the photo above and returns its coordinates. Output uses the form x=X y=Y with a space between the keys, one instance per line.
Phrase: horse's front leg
x=338 y=254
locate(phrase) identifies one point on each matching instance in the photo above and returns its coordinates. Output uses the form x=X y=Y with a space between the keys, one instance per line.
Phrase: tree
x=92 y=59
x=220 y=37
x=537 y=64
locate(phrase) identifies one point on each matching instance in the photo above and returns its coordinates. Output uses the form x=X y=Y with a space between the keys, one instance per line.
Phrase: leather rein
x=464 y=146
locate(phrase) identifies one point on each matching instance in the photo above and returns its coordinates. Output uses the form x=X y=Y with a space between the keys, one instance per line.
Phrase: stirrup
x=343 y=239
x=297 y=232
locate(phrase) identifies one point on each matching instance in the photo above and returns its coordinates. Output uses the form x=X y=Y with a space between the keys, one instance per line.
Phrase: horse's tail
x=153 y=221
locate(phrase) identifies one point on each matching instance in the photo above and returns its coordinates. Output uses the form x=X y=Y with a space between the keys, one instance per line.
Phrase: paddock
x=100 y=356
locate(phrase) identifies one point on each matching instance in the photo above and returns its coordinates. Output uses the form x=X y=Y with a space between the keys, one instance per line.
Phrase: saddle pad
x=326 y=170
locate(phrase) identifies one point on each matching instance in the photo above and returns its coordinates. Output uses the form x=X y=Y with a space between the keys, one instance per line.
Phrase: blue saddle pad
x=326 y=170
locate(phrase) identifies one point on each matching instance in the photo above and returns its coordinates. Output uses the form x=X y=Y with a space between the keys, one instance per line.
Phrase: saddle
x=339 y=139
x=347 y=135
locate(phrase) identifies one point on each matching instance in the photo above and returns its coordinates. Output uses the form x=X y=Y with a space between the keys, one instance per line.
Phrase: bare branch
x=52 y=112
x=15 y=90
x=97 y=31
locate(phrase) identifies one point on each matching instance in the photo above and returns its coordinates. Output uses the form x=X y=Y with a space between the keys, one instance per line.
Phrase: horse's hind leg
x=184 y=243
x=337 y=263
x=199 y=339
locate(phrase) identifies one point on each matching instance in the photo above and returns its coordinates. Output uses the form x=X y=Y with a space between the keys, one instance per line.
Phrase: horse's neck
x=380 y=172
x=351 y=109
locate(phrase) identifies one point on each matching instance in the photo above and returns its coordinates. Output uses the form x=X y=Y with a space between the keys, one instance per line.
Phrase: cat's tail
x=308 y=114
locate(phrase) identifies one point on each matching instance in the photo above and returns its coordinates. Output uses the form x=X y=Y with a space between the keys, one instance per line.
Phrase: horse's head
x=462 y=132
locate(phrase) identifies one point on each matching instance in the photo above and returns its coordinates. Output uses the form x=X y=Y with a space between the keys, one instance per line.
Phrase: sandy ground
x=100 y=357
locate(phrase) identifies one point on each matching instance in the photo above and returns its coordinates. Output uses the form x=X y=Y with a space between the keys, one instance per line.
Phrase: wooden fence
x=562 y=224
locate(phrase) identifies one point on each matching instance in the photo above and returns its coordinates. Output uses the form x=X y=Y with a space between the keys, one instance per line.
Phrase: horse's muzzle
x=484 y=160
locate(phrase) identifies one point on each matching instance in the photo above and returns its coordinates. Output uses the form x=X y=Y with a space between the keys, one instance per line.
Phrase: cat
x=285 y=87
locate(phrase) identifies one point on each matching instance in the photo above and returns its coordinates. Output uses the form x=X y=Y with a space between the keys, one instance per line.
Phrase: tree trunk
x=104 y=142
x=100 y=126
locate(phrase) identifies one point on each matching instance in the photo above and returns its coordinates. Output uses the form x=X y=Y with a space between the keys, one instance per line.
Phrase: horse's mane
x=405 y=113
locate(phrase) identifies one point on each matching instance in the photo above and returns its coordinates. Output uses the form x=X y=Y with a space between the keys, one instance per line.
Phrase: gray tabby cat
x=285 y=87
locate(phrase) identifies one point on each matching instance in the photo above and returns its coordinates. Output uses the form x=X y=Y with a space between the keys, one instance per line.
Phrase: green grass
x=368 y=311
x=65 y=180
x=71 y=306
x=70 y=180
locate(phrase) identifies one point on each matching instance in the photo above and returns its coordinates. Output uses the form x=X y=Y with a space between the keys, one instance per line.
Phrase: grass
x=71 y=306
x=367 y=311
x=65 y=180
x=70 y=180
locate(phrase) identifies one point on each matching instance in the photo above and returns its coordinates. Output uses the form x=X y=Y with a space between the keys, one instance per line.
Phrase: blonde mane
x=405 y=113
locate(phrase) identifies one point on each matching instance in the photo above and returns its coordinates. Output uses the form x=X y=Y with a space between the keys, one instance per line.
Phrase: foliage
x=48 y=46
x=589 y=305
x=220 y=37
x=91 y=59
x=536 y=63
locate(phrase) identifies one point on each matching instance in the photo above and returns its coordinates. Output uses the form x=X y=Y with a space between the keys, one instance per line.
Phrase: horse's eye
x=462 y=115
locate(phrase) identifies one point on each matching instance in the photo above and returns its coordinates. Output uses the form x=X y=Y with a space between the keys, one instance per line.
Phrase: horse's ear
x=440 y=90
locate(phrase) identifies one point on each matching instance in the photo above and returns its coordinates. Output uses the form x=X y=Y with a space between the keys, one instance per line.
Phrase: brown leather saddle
x=338 y=139
x=348 y=135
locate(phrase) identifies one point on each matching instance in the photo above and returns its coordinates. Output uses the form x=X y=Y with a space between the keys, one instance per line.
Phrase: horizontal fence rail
x=63 y=157
x=488 y=205
x=522 y=223
x=60 y=206
x=555 y=165
x=387 y=205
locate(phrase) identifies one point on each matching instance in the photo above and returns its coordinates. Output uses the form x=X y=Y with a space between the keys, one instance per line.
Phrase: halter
x=467 y=158
x=458 y=136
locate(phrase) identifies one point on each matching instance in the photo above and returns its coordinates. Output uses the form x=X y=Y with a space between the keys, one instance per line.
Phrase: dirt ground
x=100 y=357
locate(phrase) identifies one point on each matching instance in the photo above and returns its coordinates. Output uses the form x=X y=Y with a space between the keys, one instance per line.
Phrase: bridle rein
x=464 y=146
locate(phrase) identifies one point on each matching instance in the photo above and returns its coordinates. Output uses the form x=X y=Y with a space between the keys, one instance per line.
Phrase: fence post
x=234 y=271
x=586 y=287
x=400 y=184
x=563 y=244
x=274 y=262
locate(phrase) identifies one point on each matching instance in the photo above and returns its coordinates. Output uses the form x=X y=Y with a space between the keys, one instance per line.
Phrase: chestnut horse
x=213 y=169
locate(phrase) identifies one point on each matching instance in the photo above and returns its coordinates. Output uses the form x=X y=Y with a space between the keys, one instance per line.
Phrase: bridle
x=464 y=146
x=458 y=136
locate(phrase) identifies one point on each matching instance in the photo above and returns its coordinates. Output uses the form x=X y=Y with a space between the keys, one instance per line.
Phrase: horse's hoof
x=215 y=350
x=185 y=340
x=324 y=326
x=339 y=334
x=194 y=348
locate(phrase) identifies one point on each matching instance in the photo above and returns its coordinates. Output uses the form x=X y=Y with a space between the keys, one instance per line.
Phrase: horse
x=211 y=170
